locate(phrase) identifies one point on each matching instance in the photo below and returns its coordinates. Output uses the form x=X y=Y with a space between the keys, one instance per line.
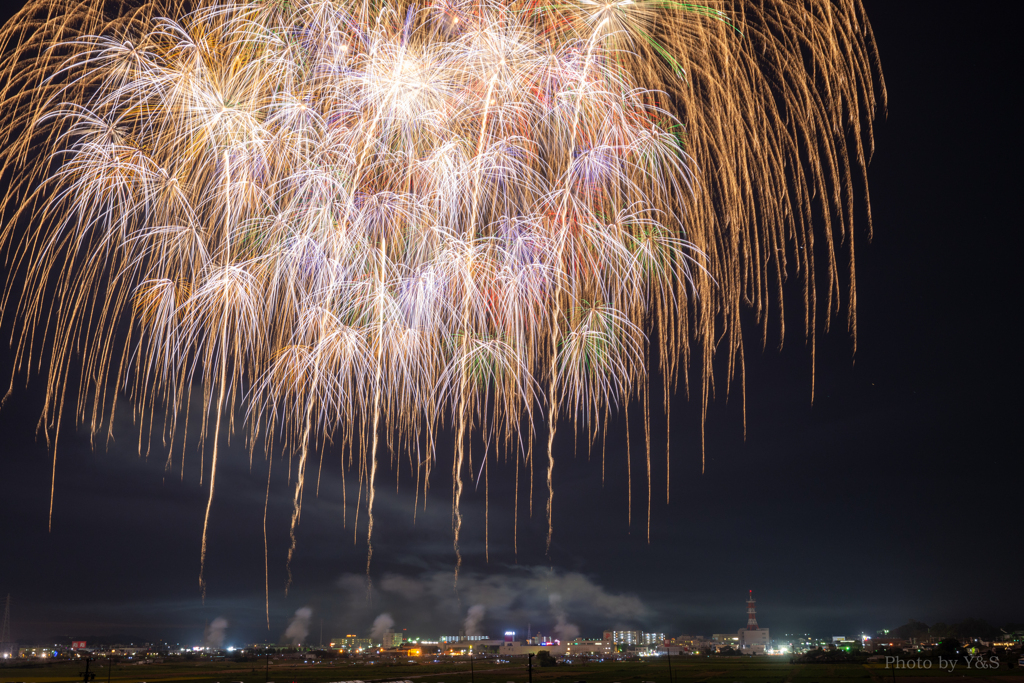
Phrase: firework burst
x=351 y=221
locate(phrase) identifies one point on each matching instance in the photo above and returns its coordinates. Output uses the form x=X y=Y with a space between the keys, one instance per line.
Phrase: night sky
x=896 y=495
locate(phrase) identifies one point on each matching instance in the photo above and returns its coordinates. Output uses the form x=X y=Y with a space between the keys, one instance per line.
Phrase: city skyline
x=310 y=629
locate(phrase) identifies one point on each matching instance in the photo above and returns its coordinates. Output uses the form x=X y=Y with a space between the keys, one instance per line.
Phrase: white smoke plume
x=298 y=626
x=474 y=616
x=214 y=636
x=563 y=629
x=380 y=626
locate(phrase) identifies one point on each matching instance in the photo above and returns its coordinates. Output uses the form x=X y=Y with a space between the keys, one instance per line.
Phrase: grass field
x=684 y=670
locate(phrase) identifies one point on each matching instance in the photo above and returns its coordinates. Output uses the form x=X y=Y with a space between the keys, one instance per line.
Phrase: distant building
x=846 y=644
x=720 y=640
x=753 y=640
x=690 y=643
x=476 y=644
x=1009 y=639
x=351 y=643
x=887 y=642
x=590 y=647
x=462 y=638
x=515 y=649
x=391 y=639
x=624 y=637
x=634 y=640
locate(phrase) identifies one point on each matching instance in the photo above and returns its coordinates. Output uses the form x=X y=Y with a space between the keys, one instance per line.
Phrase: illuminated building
x=351 y=643
x=590 y=647
x=461 y=638
x=624 y=637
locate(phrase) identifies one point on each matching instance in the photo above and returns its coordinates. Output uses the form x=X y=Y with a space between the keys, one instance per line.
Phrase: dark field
x=684 y=670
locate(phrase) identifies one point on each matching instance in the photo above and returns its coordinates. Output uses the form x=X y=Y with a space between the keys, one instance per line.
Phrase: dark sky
x=895 y=496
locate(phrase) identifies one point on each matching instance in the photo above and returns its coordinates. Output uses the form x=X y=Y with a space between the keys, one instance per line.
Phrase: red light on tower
x=751 y=613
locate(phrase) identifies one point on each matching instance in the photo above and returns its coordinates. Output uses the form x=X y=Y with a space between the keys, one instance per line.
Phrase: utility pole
x=668 y=656
x=471 y=679
x=5 y=629
x=87 y=675
x=267 y=677
x=110 y=666
x=530 y=660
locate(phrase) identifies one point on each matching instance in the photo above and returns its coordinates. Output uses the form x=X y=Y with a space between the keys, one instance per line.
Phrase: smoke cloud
x=474 y=616
x=562 y=628
x=214 y=636
x=298 y=626
x=408 y=588
x=512 y=597
x=380 y=626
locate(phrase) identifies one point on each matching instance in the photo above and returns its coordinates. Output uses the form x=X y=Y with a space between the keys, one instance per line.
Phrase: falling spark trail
x=213 y=460
x=378 y=366
x=300 y=483
x=266 y=547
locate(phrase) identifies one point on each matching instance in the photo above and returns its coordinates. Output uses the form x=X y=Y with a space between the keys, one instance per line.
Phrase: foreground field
x=684 y=670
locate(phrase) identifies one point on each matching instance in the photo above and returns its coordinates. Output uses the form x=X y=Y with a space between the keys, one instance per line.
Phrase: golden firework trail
x=362 y=223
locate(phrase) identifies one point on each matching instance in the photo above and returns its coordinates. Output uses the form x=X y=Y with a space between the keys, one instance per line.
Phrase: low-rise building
x=517 y=649
x=351 y=643
x=582 y=646
x=753 y=641
x=721 y=640
x=691 y=643
x=462 y=638
x=887 y=643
